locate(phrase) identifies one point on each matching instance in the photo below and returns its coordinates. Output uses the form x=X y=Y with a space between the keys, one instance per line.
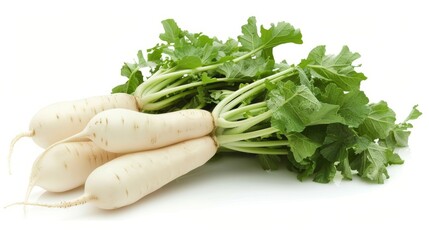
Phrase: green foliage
x=328 y=122
x=182 y=54
x=312 y=117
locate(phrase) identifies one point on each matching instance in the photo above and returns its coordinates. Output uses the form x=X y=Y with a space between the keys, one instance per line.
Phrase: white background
x=53 y=51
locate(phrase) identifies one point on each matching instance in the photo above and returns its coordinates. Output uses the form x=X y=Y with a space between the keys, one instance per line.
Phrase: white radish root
x=64 y=119
x=67 y=165
x=128 y=178
x=12 y=144
x=125 y=131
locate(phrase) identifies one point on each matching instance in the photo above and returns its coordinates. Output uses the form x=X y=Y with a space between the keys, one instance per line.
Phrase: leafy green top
x=316 y=120
x=313 y=117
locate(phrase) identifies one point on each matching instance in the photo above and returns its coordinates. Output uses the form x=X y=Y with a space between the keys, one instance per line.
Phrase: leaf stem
x=153 y=88
x=166 y=102
x=274 y=143
x=239 y=111
x=256 y=150
x=246 y=123
x=226 y=105
x=224 y=139
x=173 y=73
x=166 y=91
x=249 y=54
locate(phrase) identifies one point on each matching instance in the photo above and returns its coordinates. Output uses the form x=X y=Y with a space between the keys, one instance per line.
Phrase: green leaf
x=134 y=81
x=155 y=54
x=269 y=162
x=218 y=95
x=339 y=139
x=301 y=146
x=316 y=133
x=325 y=171
x=131 y=85
x=371 y=163
x=380 y=121
x=399 y=135
x=229 y=47
x=295 y=107
x=208 y=54
x=292 y=107
x=342 y=61
x=326 y=114
x=122 y=88
x=127 y=69
x=393 y=158
x=279 y=34
x=345 y=169
x=276 y=35
x=231 y=70
x=203 y=40
x=206 y=79
x=250 y=39
x=347 y=82
x=172 y=32
x=353 y=105
x=189 y=62
x=192 y=50
x=133 y=73
x=362 y=143
x=315 y=56
x=135 y=78
x=335 y=68
x=198 y=101
x=140 y=59
x=248 y=68
x=354 y=108
x=303 y=78
x=414 y=114
x=307 y=172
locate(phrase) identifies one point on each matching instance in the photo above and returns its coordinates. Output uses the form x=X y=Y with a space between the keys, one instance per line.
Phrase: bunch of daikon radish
x=202 y=95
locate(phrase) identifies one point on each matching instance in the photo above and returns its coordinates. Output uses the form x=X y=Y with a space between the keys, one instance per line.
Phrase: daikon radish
x=128 y=178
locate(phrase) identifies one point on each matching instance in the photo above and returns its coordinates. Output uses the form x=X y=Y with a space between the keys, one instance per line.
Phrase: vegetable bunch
x=192 y=96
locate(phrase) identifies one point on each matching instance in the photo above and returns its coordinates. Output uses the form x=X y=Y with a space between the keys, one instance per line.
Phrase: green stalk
x=179 y=82
x=155 y=96
x=246 y=123
x=224 y=139
x=250 y=123
x=265 y=151
x=145 y=88
x=251 y=92
x=156 y=88
x=221 y=105
x=166 y=91
x=274 y=143
x=166 y=102
x=225 y=105
x=172 y=73
x=249 y=54
x=153 y=106
x=240 y=111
